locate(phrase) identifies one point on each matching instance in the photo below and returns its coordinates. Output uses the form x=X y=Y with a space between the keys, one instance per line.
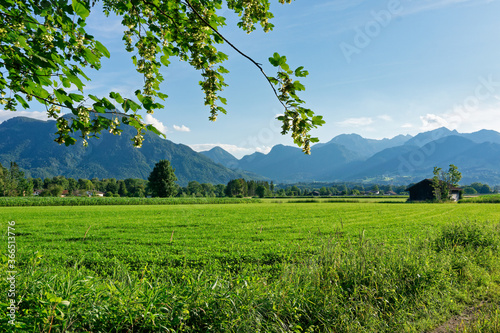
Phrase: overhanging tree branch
x=235 y=48
x=61 y=47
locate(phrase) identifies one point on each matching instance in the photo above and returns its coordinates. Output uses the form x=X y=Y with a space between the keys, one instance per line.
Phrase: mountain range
x=347 y=157
x=30 y=143
x=400 y=160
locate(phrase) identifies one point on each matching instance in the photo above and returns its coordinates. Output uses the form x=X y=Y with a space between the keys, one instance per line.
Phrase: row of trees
x=240 y=187
x=480 y=188
x=338 y=189
x=13 y=183
x=112 y=187
x=162 y=180
x=162 y=184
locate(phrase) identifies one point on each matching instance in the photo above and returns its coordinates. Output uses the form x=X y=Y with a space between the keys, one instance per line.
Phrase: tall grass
x=349 y=285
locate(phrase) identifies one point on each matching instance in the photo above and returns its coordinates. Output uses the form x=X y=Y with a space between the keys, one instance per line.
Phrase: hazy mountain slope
x=483 y=136
x=477 y=137
x=284 y=163
x=424 y=138
x=30 y=143
x=219 y=155
x=410 y=163
x=367 y=147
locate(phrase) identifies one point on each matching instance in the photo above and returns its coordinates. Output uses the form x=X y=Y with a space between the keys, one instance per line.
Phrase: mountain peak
x=221 y=156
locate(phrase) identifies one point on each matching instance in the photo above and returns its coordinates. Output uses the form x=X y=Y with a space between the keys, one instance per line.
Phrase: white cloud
x=356 y=122
x=487 y=117
x=5 y=115
x=149 y=119
x=263 y=149
x=407 y=125
x=385 y=117
x=182 y=128
x=431 y=121
x=234 y=150
x=463 y=120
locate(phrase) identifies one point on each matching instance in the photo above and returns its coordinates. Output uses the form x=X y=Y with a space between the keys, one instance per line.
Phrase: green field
x=275 y=266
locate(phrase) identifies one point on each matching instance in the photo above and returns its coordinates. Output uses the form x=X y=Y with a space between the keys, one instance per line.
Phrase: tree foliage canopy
x=45 y=50
x=442 y=181
x=162 y=180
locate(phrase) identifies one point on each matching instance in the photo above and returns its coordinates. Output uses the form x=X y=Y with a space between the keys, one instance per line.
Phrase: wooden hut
x=424 y=191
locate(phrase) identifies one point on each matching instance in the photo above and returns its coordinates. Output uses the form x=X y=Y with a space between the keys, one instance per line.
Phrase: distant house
x=424 y=191
x=315 y=193
x=390 y=193
x=64 y=193
x=95 y=193
x=372 y=192
x=37 y=192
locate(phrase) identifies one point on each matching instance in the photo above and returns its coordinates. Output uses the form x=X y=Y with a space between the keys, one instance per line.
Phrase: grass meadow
x=271 y=266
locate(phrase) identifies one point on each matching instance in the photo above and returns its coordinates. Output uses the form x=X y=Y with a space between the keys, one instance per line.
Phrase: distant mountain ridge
x=30 y=143
x=367 y=147
x=347 y=157
x=400 y=160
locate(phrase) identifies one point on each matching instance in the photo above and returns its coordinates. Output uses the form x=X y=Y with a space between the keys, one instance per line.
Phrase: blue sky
x=377 y=68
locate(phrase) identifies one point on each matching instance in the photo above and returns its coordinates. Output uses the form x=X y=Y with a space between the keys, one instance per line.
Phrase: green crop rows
x=269 y=267
x=102 y=201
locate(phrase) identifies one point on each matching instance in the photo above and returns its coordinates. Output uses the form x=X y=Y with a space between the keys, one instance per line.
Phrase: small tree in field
x=261 y=191
x=443 y=180
x=162 y=180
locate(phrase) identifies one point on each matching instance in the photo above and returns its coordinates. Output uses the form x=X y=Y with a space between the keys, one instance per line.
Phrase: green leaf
x=80 y=9
x=275 y=59
x=147 y=102
x=69 y=141
x=75 y=80
x=22 y=101
x=155 y=130
x=162 y=95
x=65 y=82
x=99 y=108
x=76 y=97
x=91 y=57
x=22 y=42
x=299 y=72
x=94 y=98
x=116 y=96
x=101 y=48
x=130 y=105
x=298 y=86
x=164 y=60
x=61 y=95
x=317 y=120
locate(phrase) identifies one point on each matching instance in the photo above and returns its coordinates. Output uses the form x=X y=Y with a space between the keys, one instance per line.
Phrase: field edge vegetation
x=351 y=284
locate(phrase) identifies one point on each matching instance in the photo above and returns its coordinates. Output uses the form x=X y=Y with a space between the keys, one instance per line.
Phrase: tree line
x=14 y=183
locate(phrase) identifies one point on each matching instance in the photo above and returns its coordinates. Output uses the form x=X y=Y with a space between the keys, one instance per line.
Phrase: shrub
x=468 y=234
